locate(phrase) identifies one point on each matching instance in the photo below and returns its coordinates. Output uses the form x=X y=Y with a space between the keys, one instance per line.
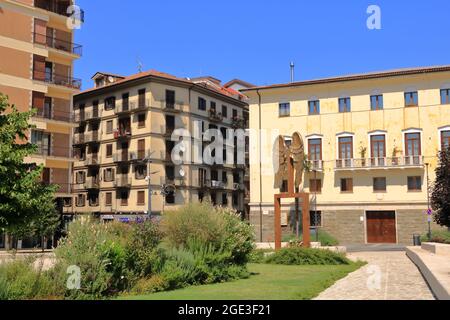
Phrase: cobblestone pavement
x=387 y=276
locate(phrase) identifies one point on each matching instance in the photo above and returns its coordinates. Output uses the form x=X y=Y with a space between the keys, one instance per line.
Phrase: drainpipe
x=260 y=170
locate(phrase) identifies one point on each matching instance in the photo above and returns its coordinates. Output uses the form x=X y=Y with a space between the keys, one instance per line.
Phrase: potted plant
x=362 y=153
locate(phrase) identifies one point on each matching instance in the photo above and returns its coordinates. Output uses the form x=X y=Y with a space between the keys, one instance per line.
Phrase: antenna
x=292 y=71
x=139 y=64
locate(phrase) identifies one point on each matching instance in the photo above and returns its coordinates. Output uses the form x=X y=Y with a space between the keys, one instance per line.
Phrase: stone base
x=348 y=226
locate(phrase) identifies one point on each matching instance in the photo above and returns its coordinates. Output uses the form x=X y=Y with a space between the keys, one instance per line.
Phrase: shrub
x=98 y=250
x=20 y=281
x=439 y=236
x=306 y=256
x=220 y=227
x=325 y=239
x=259 y=255
x=155 y=283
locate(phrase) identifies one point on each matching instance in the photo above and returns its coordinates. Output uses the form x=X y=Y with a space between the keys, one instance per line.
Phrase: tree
x=26 y=204
x=441 y=190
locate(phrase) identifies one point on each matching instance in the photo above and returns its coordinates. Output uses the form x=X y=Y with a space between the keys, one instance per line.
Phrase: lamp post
x=149 y=185
x=428 y=203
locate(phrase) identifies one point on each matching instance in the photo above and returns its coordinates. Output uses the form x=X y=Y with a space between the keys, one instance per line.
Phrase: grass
x=267 y=282
x=439 y=236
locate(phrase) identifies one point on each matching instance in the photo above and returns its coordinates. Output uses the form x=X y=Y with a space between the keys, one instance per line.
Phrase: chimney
x=292 y=71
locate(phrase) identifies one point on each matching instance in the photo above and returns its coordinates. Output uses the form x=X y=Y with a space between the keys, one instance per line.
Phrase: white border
x=445 y=128
x=412 y=130
x=377 y=133
x=345 y=135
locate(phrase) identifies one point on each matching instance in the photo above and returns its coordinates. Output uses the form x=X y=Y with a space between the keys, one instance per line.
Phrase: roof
x=361 y=76
x=106 y=74
x=239 y=81
x=217 y=88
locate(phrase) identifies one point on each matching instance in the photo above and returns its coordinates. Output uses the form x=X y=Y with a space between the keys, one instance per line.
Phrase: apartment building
x=371 y=139
x=37 y=54
x=123 y=145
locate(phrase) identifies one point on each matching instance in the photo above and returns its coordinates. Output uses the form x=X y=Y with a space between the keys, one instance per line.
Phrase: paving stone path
x=387 y=276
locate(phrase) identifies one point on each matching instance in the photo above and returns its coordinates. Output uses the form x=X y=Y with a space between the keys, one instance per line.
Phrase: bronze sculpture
x=295 y=153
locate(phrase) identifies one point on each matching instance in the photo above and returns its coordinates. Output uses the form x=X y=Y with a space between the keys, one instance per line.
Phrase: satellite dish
x=110 y=79
x=182 y=173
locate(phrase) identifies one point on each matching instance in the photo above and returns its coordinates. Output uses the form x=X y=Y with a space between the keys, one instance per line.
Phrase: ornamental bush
x=307 y=256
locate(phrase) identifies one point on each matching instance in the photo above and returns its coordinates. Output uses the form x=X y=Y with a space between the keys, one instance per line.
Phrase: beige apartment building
x=372 y=141
x=36 y=71
x=123 y=136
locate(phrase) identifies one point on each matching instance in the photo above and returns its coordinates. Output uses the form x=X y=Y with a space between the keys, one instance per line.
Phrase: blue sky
x=256 y=40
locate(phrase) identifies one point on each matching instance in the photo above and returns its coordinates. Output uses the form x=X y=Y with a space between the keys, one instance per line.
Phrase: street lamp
x=316 y=216
x=149 y=185
x=428 y=203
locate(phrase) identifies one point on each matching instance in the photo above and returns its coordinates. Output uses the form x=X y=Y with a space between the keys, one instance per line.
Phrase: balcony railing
x=239 y=123
x=122 y=133
x=215 y=184
x=315 y=165
x=122 y=181
x=121 y=157
x=93 y=115
x=58 y=44
x=78 y=138
x=92 y=160
x=53 y=151
x=215 y=116
x=140 y=155
x=169 y=106
x=58 y=7
x=91 y=137
x=92 y=183
x=56 y=79
x=384 y=163
x=139 y=105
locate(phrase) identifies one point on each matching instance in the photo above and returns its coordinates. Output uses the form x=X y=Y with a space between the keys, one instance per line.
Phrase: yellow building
x=370 y=139
x=36 y=70
x=124 y=135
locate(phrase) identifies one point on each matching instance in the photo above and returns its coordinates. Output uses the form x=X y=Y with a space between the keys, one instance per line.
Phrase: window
x=413 y=148
x=108 y=175
x=376 y=102
x=224 y=111
x=43 y=142
x=445 y=139
x=378 y=150
x=347 y=185
x=108 y=199
x=315 y=218
x=80 y=177
x=109 y=150
x=109 y=126
x=212 y=105
x=141 y=198
x=379 y=184
x=124 y=198
x=110 y=103
x=235 y=113
x=93 y=199
x=346 y=148
x=314 y=107
x=344 y=105
x=284 y=109
x=315 y=185
x=411 y=99
x=445 y=96
x=141 y=97
x=201 y=104
x=141 y=120
x=315 y=149
x=125 y=101
x=415 y=183
x=170 y=99
x=80 y=199
x=141 y=172
x=170 y=197
x=224 y=199
x=224 y=177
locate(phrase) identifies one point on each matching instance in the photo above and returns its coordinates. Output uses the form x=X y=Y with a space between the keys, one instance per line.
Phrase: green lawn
x=268 y=282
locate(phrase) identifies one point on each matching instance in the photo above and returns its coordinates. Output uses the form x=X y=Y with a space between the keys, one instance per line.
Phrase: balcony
x=380 y=163
x=315 y=165
x=58 y=152
x=171 y=107
x=136 y=106
x=122 y=134
x=58 y=7
x=122 y=181
x=215 y=116
x=215 y=184
x=78 y=138
x=92 y=183
x=239 y=123
x=122 y=108
x=140 y=155
x=56 y=115
x=121 y=157
x=56 y=79
x=238 y=186
x=92 y=160
x=92 y=116
x=91 y=137
x=58 y=44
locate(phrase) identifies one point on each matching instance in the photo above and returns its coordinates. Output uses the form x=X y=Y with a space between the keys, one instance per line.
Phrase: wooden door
x=381 y=227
